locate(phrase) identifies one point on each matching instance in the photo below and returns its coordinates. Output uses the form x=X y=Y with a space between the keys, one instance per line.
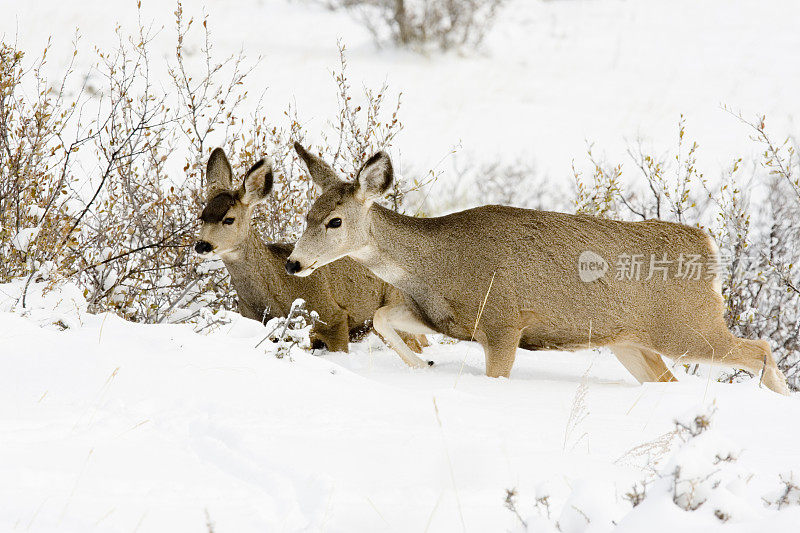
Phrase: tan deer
x=509 y=277
x=344 y=294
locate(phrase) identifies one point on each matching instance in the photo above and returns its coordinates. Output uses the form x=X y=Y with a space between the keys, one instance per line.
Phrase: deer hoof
x=317 y=344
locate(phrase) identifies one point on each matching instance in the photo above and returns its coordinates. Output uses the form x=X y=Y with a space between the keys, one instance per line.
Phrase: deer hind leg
x=756 y=357
x=388 y=320
x=725 y=349
x=500 y=347
x=657 y=367
x=644 y=364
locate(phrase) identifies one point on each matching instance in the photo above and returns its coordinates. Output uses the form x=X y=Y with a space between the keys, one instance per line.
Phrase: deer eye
x=228 y=221
x=334 y=223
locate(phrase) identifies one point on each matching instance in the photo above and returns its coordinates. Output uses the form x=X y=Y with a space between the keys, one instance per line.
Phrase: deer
x=508 y=277
x=344 y=294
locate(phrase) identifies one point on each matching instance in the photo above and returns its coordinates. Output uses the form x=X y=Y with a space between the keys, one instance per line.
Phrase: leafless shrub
x=38 y=142
x=698 y=425
x=133 y=229
x=661 y=188
x=419 y=23
x=654 y=451
x=721 y=515
x=763 y=246
x=602 y=194
x=789 y=493
x=516 y=183
x=121 y=224
x=511 y=504
x=687 y=492
x=637 y=494
x=359 y=130
x=542 y=503
x=118 y=224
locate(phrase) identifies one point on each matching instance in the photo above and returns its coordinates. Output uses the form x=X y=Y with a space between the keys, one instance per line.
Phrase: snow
x=551 y=76
x=24 y=237
x=107 y=425
x=116 y=426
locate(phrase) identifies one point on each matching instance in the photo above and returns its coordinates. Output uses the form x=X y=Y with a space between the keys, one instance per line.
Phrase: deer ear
x=219 y=176
x=257 y=182
x=321 y=172
x=375 y=177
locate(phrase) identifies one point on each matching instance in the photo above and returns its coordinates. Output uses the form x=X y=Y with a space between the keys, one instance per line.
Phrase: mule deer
x=344 y=294
x=509 y=277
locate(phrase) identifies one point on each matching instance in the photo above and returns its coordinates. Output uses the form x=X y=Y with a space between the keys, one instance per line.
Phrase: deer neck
x=392 y=253
x=256 y=273
x=390 y=239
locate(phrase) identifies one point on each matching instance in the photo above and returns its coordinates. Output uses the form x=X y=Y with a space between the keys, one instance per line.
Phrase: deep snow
x=109 y=425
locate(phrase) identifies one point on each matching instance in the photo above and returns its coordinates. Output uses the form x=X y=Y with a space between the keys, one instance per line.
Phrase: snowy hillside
x=551 y=75
x=114 y=426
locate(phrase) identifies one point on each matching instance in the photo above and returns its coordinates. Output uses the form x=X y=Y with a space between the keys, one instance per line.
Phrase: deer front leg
x=335 y=334
x=500 y=347
x=247 y=311
x=415 y=342
x=389 y=319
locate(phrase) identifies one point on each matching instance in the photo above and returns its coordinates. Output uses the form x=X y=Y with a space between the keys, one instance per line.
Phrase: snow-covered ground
x=113 y=426
x=107 y=425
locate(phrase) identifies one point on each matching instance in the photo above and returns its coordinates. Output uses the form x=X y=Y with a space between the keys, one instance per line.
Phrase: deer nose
x=203 y=247
x=292 y=267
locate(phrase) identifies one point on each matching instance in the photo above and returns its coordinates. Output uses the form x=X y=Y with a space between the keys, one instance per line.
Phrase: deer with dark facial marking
x=344 y=294
x=509 y=277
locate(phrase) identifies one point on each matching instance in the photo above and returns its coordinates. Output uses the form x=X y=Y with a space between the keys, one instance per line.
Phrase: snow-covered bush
x=34 y=163
x=292 y=330
x=419 y=23
x=697 y=471
x=104 y=188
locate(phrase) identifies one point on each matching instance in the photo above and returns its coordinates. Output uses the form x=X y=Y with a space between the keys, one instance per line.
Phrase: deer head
x=226 y=215
x=337 y=224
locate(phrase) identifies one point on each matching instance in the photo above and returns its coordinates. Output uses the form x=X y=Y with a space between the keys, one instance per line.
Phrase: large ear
x=321 y=172
x=257 y=182
x=219 y=176
x=375 y=177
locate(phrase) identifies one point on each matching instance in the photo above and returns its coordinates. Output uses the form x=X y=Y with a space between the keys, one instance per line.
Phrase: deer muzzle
x=203 y=247
x=293 y=267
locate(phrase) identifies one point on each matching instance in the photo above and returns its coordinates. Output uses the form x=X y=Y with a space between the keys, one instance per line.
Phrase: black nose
x=202 y=247
x=292 y=267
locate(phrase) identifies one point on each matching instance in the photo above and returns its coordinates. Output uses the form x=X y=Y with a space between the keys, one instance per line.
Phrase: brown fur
x=344 y=294
x=524 y=265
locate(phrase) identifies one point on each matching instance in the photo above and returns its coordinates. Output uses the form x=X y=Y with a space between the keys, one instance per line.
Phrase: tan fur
x=518 y=270
x=344 y=294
